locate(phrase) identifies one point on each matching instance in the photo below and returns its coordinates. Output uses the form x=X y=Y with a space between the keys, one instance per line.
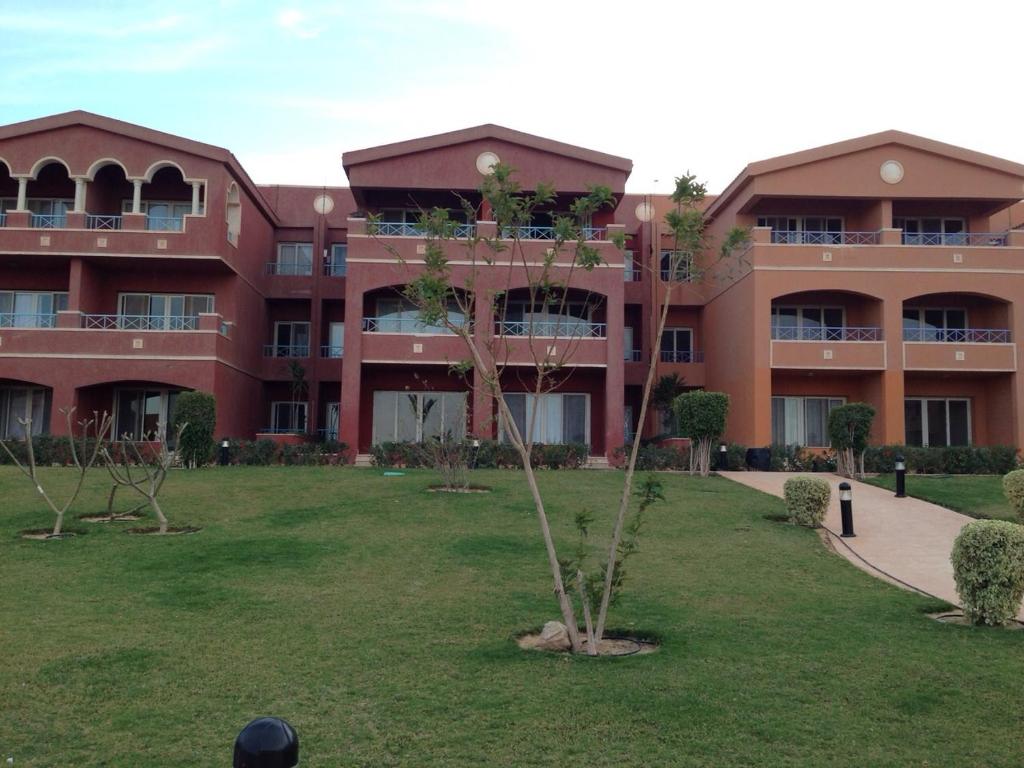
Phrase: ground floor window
x=627 y=426
x=333 y=413
x=24 y=403
x=560 y=417
x=142 y=413
x=412 y=417
x=288 y=416
x=937 y=421
x=802 y=420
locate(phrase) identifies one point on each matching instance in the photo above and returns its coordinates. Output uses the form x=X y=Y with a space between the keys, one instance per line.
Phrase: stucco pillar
x=351 y=368
x=196 y=187
x=1017 y=407
x=614 y=382
x=891 y=428
x=22 y=193
x=79 y=195
x=137 y=196
x=63 y=396
x=482 y=424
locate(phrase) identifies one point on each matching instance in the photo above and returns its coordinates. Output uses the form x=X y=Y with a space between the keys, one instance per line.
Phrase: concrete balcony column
x=196 y=188
x=890 y=236
x=67 y=318
x=22 y=193
x=80 y=182
x=137 y=195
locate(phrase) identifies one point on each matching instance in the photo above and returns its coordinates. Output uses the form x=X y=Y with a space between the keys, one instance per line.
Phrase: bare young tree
x=82 y=456
x=144 y=470
x=494 y=261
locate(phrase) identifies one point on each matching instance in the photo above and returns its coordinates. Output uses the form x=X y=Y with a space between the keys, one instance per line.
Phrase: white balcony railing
x=102 y=221
x=141 y=322
x=164 y=223
x=983 y=239
x=412 y=229
x=826 y=333
x=27 y=320
x=327 y=350
x=549 y=233
x=681 y=356
x=335 y=268
x=286 y=350
x=409 y=325
x=787 y=237
x=288 y=269
x=48 y=220
x=958 y=335
x=568 y=328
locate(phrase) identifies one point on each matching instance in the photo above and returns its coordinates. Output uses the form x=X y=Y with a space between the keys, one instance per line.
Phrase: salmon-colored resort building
x=135 y=265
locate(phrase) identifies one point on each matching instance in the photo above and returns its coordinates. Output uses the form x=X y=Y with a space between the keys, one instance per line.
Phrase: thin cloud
x=297 y=23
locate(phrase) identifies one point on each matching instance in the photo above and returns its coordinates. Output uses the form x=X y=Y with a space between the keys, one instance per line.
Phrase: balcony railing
x=826 y=333
x=289 y=270
x=551 y=328
x=403 y=229
x=164 y=223
x=3 y=219
x=102 y=221
x=401 y=325
x=983 y=239
x=791 y=237
x=958 y=335
x=48 y=220
x=549 y=233
x=335 y=268
x=141 y=322
x=327 y=350
x=286 y=350
x=681 y=356
x=632 y=274
x=633 y=355
x=27 y=320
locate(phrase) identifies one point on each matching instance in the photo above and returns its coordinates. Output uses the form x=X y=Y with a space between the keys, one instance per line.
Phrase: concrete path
x=906 y=539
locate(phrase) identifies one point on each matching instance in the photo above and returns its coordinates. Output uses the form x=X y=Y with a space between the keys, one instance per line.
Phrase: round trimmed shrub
x=1013 y=487
x=806 y=500
x=988 y=565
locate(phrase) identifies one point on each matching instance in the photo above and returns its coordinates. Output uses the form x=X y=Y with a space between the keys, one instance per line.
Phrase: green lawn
x=974 y=495
x=378 y=619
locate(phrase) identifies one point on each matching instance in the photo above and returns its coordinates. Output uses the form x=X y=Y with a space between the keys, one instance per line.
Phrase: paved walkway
x=908 y=539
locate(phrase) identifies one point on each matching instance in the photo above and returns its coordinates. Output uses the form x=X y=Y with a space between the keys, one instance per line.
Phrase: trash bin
x=759 y=459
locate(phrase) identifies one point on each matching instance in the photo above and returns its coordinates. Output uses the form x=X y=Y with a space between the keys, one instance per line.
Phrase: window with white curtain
x=18 y=403
x=294 y=259
x=31 y=309
x=412 y=417
x=802 y=420
x=163 y=311
x=142 y=414
x=560 y=417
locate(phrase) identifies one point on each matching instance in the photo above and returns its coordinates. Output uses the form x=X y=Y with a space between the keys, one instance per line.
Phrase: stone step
x=364 y=460
x=597 y=462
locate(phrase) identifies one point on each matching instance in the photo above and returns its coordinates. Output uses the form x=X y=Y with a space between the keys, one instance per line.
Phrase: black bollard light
x=267 y=742
x=222 y=455
x=723 y=457
x=846 y=509
x=901 y=478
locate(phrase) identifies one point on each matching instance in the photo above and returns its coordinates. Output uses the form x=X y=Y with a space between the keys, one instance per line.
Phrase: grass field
x=975 y=495
x=378 y=619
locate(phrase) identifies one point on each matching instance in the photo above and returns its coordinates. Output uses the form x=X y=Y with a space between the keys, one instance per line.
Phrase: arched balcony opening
x=826 y=316
x=49 y=194
x=166 y=198
x=8 y=192
x=141 y=410
x=108 y=195
x=572 y=313
x=388 y=310
x=956 y=318
x=24 y=409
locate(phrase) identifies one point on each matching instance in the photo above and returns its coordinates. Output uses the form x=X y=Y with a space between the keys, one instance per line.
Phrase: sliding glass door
x=934 y=421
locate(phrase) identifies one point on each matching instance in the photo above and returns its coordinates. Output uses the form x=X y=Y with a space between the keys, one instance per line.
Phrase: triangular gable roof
x=486 y=131
x=140 y=133
x=860 y=144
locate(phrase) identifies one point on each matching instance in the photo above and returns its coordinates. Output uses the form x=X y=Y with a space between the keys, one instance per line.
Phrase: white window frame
x=337 y=267
x=801 y=415
x=923 y=401
x=288 y=256
x=36 y=318
x=332 y=420
x=10 y=427
x=291 y=345
x=117 y=429
x=684 y=267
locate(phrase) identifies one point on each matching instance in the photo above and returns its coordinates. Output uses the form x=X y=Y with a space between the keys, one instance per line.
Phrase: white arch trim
x=7 y=165
x=45 y=161
x=103 y=163
x=160 y=165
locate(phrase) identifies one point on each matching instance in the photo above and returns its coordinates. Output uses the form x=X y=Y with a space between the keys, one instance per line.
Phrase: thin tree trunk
x=159 y=513
x=627 y=485
x=591 y=640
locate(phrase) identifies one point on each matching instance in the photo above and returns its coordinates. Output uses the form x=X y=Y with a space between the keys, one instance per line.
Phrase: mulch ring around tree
x=613 y=646
x=154 y=530
x=46 y=534
x=116 y=517
x=467 y=489
x=957 y=618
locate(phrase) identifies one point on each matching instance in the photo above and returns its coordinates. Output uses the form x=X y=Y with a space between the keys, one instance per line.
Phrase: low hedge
x=954 y=460
x=491 y=454
x=806 y=500
x=266 y=452
x=53 y=450
x=988 y=566
x=1013 y=488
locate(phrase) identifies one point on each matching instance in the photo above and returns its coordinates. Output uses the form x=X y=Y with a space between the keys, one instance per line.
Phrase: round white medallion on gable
x=486 y=161
x=891 y=172
x=323 y=204
x=645 y=211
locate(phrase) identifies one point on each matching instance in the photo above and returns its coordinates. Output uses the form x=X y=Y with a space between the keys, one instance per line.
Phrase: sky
x=289 y=86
